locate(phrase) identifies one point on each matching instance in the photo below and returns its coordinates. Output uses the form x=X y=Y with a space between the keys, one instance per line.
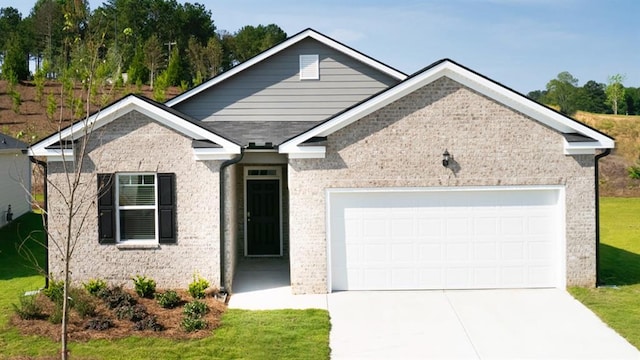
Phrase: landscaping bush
x=169 y=299
x=148 y=323
x=195 y=309
x=55 y=291
x=56 y=315
x=99 y=324
x=82 y=303
x=194 y=316
x=193 y=324
x=144 y=286
x=94 y=286
x=198 y=286
x=116 y=297
x=132 y=312
x=28 y=308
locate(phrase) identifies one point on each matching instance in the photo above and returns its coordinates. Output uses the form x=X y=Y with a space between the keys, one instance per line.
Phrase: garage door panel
x=439 y=239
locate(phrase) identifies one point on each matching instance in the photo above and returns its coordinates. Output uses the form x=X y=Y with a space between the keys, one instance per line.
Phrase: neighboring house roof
x=9 y=144
x=221 y=147
x=308 y=33
x=583 y=139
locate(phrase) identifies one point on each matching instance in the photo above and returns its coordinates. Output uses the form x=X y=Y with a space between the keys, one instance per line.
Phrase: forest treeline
x=567 y=96
x=152 y=42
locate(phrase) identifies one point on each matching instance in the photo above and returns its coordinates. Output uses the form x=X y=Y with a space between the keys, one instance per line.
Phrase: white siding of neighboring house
x=15 y=183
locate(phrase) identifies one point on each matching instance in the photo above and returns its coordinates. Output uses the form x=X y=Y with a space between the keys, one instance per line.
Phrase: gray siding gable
x=271 y=90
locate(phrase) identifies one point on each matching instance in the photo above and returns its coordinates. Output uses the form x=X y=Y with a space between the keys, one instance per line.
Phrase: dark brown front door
x=263 y=217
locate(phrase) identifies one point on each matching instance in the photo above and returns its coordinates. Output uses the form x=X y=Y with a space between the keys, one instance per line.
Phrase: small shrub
x=28 y=308
x=169 y=299
x=116 y=297
x=56 y=316
x=195 y=309
x=144 y=286
x=148 y=323
x=198 y=286
x=94 y=286
x=132 y=312
x=192 y=324
x=99 y=324
x=55 y=291
x=83 y=303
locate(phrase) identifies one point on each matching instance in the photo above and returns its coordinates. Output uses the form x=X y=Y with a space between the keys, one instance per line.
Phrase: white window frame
x=309 y=67
x=154 y=207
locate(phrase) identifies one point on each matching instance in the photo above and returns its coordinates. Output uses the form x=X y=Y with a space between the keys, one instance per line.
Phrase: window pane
x=137 y=224
x=136 y=190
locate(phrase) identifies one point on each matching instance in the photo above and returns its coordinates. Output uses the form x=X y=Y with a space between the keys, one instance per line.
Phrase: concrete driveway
x=474 y=324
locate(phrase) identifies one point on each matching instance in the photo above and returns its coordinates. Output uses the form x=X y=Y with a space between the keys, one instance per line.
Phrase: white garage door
x=462 y=239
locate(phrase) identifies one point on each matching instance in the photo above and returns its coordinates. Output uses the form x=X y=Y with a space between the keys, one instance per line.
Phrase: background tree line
x=613 y=97
x=156 y=42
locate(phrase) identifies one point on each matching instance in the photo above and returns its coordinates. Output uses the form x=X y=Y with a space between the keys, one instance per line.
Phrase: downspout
x=224 y=165
x=597 y=193
x=46 y=219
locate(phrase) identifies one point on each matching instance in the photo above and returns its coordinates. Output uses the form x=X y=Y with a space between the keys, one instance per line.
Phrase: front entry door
x=263 y=218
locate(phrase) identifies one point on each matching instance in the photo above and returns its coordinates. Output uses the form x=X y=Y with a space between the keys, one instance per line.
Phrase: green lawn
x=280 y=334
x=618 y=301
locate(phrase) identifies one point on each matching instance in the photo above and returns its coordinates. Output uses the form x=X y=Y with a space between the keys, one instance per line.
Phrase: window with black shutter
x=136 y=208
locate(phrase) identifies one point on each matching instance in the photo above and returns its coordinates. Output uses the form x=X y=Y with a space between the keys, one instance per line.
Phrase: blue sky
x=521 y=43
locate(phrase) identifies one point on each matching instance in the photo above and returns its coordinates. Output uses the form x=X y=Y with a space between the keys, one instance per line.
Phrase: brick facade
x=401 y=145
x=134 y=143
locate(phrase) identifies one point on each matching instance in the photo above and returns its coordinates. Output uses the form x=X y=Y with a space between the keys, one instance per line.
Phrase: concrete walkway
x=264 y=284
x=472 y=324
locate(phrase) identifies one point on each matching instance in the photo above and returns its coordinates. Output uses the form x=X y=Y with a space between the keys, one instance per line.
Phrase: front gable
x=59 y=146
x=275 y=89
x=579 y=138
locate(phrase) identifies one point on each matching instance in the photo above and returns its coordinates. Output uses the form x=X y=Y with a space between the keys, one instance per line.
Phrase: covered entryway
x=454 y=238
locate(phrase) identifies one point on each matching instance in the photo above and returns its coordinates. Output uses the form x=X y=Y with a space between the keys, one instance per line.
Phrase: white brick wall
x=401 y=145
x=134 y=143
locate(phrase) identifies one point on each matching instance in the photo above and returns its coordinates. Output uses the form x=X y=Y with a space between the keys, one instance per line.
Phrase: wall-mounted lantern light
x=9 y=216
x=445 y=158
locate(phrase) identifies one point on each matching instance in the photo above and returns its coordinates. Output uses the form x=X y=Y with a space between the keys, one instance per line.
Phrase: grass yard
x=618 y=302
x=279 y=334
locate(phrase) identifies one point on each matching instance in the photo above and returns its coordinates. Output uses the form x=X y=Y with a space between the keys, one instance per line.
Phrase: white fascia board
x=126 y=105
x=53 y=154
x=201 y=154
x=307 y=152
x=582 y=148
x=280 y=47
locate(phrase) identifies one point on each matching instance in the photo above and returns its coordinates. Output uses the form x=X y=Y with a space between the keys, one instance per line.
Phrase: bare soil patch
x=170 y=319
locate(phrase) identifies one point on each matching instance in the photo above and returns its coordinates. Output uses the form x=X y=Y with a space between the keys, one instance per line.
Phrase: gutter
x=224 y=165
x=597 y=193
x=45 y=217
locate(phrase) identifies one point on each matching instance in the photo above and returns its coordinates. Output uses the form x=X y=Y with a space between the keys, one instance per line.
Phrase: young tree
x=615 y=91
x=71 y=196
x=152 y=57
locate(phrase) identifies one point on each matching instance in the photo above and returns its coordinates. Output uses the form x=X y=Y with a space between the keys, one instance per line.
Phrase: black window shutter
x=106 y=209
x=167 y=208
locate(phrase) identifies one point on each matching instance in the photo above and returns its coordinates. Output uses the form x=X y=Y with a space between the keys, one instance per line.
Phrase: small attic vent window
x=309 y=67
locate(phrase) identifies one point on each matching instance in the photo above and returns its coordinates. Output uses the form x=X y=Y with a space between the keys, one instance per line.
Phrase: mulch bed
x=169 y=318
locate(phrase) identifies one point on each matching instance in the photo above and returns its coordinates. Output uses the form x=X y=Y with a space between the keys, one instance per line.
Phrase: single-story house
x=15 y=179
x=361 y=176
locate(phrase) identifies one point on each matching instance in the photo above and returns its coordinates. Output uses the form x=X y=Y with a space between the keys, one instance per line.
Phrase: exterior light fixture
x=9 y=216
x=445 y=158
